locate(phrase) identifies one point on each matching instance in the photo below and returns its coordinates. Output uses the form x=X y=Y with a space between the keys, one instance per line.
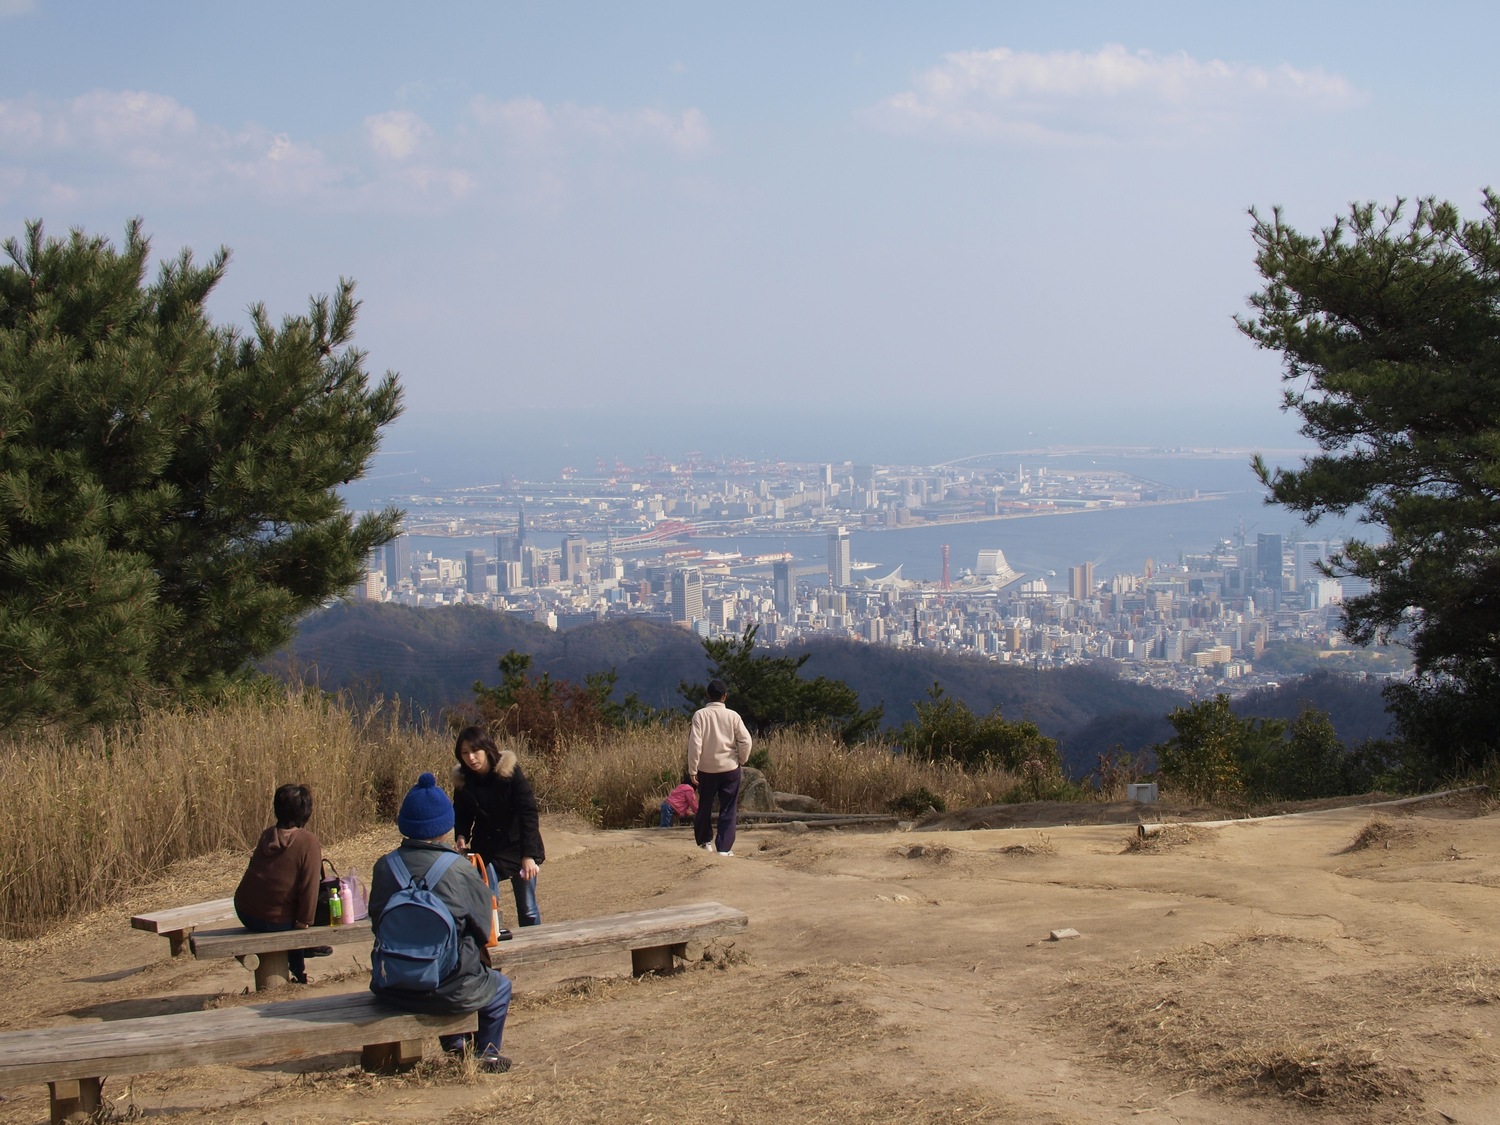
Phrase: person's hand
x=693 y=780
x=460 y=843
x=529 y=868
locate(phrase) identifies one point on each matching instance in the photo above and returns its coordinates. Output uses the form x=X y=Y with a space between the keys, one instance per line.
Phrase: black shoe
x=299 y=978
x=318 y=951
x=488 y=1063
x=456 y=1044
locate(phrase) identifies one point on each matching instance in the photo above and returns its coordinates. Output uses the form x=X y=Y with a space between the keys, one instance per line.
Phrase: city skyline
x=885 y=221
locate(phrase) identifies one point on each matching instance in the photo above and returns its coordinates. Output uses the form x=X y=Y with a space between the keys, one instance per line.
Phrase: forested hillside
x=431 y=658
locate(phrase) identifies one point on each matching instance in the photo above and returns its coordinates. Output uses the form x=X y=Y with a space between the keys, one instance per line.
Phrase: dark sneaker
x=455 y=1044
x=318 y=951
x=492 y=1062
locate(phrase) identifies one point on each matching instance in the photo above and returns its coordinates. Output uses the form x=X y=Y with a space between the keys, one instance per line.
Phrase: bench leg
x=75 y=1095
x=178 y=940
x=271 y=971
x=391 y=1056
x=655 y=959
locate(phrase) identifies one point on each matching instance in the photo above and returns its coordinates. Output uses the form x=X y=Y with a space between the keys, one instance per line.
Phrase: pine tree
x=169 y=497
x=1389 y=329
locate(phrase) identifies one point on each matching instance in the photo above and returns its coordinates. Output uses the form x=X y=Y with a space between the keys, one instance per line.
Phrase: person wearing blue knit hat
x=426 y=821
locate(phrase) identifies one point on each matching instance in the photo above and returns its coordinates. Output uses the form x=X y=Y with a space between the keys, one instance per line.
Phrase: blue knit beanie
x=426 y=813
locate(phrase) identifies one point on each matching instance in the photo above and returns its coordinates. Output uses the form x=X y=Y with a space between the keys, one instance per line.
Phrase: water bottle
x=346 y=900
x=335 y=909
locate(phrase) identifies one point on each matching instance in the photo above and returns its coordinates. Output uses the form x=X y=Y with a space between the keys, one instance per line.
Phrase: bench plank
x=652 y=937
x=178 y=922
x=637 y=930
x=184 y=917
x=292 y=1029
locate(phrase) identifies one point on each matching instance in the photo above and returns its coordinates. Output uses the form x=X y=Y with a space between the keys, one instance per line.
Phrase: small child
x=682 y=801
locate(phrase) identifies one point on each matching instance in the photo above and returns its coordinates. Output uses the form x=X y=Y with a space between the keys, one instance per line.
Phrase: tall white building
x=840 y=558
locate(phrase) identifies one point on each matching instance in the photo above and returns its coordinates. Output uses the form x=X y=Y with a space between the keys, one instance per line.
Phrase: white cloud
x=529 y=121
x=396 y=134
x=1070 y=97
x=111 y=143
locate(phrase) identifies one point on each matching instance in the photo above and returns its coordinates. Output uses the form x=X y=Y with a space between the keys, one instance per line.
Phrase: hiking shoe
x=492 y=1062
x=318 y=951
x=456 y=1044
x=729 y=854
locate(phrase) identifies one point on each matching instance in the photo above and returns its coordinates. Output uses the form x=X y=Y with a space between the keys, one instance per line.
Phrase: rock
x=756 y=794
x=1063 y=935
x=796 y=802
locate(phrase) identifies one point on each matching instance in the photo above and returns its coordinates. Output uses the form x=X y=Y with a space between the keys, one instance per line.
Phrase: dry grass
x=88 y=816
x=1383 y=834
x=1237 y=1017
x=619 y=778
x=1165 y=837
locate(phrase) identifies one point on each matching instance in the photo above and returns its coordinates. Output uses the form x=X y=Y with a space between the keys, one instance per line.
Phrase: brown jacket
x=281 y=882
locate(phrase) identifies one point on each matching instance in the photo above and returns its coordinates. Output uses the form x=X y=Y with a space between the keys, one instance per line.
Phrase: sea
x=1117 y=541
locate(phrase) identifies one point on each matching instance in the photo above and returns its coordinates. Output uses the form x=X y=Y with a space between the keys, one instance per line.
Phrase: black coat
x=496 y=813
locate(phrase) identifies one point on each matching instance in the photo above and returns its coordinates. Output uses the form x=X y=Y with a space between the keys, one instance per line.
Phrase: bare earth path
x=1340 y=965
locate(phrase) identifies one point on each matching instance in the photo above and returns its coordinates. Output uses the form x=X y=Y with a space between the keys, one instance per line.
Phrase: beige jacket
x=717 y=740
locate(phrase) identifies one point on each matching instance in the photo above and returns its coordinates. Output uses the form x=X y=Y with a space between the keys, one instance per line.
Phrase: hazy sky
x=733 y=217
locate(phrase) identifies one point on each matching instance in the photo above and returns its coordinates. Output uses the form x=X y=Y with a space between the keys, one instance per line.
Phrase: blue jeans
x=524 y=889
x=666 y=815
x=491 y=1021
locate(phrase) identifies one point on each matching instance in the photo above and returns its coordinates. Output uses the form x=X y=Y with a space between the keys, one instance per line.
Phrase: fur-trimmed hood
x=505 y=768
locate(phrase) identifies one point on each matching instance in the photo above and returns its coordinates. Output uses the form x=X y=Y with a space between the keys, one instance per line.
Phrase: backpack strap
x=398 y=869
x=439 y=866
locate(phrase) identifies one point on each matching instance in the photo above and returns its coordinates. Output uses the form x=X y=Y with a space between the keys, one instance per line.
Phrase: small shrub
x=917 y=802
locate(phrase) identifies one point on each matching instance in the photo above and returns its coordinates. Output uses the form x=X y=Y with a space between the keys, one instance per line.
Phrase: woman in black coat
x=495 y=815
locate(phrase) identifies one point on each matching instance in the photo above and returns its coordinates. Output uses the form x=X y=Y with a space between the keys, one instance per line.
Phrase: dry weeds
x=1165 y=837
x=1254 y=1016
x=1384 y=834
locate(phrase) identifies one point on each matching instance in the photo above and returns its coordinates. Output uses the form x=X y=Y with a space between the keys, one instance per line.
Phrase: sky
x=879 y=226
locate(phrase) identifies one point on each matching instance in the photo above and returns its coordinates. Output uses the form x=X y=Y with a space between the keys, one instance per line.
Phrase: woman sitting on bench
x=279 y=890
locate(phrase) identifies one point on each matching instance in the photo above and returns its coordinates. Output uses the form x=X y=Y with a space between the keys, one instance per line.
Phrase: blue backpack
x=416 y=939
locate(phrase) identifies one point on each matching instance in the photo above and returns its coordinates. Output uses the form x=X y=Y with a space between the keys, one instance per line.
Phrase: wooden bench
x=652 y=938
x=266 y=954
x=178 y=923
x=74 y=1060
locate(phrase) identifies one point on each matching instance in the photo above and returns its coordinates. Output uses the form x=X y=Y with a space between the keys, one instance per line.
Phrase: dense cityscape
x=620 y=544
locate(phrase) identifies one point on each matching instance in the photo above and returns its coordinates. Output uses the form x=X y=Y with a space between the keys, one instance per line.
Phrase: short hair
x=716 y=690
x=292 y=805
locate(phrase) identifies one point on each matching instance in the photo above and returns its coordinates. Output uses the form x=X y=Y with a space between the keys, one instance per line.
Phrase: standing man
x=718 y=743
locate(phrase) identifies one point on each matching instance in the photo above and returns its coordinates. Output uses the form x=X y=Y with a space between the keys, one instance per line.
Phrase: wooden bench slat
x=292 y=1029
x=640 y=929
x=184 y=917
x=236 y=941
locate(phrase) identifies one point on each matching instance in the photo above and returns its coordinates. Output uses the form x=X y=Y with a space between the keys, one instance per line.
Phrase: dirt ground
x=1333 y=965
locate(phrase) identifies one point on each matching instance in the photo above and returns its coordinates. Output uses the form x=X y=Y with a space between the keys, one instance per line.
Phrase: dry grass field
x=1336 y=965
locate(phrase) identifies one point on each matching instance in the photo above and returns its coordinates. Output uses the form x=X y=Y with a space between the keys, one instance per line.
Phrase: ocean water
x=1116 y=541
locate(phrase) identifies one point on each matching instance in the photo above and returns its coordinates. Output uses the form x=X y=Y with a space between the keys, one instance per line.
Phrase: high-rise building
x=1268 y=560
x=1306 y=555
x=1081 y=582
x=784 y=588
x=476 y=569
x=398 y=561
x=840 y=558
x=575 y=559
x=687 y=595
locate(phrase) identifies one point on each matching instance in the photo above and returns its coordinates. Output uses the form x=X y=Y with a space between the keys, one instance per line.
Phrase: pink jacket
x=683 y=800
